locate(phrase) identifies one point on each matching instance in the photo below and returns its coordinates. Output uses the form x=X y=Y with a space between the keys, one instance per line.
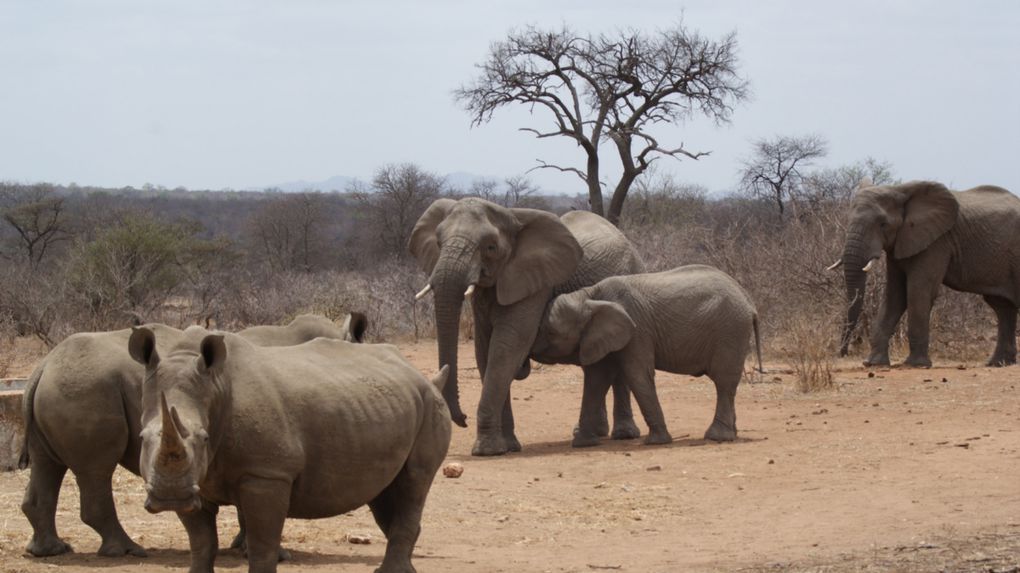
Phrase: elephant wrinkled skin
x=966 y=240
x=308 y=431
x=693 y=320
x=513 y=261
x=82 y=411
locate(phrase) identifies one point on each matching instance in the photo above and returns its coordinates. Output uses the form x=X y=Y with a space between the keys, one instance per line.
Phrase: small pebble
x=453 y=470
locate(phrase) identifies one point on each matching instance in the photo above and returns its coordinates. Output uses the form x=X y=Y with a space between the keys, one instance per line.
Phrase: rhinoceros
x=82 y=411
x=307 y=431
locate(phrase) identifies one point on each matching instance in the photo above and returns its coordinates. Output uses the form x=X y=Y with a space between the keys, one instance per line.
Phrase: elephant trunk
x=450 y=279
x=855 y=258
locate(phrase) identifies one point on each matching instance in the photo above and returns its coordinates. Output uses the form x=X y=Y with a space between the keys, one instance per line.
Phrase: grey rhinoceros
x=82 y=410
x=307 y=431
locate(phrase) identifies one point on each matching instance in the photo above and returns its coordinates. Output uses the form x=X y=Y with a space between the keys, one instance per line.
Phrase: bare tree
x=397 y=196
x=838 y=184
x=39 y=217
x=288 y=232
x=774 y=169
x=515 y=191
x=609 y=87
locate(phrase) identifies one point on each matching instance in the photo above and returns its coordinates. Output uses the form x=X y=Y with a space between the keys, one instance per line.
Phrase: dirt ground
x=897 y=470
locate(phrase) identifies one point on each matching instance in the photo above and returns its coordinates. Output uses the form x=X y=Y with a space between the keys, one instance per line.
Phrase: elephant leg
x=513 y=332
x=507 y=426
x=624 y=427
x=893 y=306
x=724 y=424
x=639 y=371
x=99 y=513
x=921 y=293
x=202 y=537
x=1005 y=345
x=597 y=379
x=40 y=503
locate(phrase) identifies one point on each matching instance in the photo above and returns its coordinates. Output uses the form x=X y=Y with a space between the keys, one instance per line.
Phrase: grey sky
x=247 y=94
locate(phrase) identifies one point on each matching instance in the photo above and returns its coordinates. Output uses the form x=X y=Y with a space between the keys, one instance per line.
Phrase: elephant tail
x=757 y=341
x=28 y=413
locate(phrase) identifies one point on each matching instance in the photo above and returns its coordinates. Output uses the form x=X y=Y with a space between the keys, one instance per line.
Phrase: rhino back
x=337 y=419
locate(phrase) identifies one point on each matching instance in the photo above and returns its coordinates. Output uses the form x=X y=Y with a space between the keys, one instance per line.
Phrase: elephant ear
x=609 y=329
x=423 y=244
x=544 y=255
x=930 y=211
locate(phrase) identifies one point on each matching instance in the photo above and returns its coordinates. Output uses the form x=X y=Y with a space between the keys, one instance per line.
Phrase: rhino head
x=180 y=397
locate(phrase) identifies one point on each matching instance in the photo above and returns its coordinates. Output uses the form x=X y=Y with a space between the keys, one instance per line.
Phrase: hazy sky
x=211 y=94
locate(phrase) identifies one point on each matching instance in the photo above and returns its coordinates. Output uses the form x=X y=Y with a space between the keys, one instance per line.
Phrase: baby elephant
x=693 y=320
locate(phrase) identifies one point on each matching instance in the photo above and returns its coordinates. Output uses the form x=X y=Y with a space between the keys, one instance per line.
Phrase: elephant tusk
x=423 y=292
x=470 y=291
x=868 y=266
x=834 y=265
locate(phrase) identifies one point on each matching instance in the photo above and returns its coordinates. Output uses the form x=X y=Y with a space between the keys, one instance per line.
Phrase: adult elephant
x=967 y=240
x=512 y=261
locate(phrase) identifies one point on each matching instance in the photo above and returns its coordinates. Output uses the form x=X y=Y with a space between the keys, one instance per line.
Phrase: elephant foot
x=121 y=547
x=512 y=443
x=489 y=446
x=1001 y=360
x=917 y=361
x=658 y=437
x=626 y=430
x=719 y=432
x=879 y=359
x=584 y=440
x=601 y=430
x=48 y=548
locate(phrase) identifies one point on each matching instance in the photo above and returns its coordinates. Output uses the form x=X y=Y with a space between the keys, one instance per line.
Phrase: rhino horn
x=172 y=454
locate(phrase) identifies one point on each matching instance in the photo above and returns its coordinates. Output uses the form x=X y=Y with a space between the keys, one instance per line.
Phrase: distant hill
x=335 y=183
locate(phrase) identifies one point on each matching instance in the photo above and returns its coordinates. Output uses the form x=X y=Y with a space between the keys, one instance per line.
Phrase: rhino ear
x=213 y=352
x=423 y=244
x=609 y=329
x=355 y=326
x=142 y=347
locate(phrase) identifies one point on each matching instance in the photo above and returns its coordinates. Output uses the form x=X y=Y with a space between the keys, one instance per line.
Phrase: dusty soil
x=897 y=470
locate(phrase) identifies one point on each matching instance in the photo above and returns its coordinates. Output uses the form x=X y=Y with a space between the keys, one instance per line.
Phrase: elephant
x=693 y=320
x=510 y=262
x=307 y=431
x=966 y=240
x=82 y=411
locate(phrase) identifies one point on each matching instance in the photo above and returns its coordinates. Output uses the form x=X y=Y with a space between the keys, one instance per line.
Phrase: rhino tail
x=28 y=413
x=757 y=342
x=439 y=380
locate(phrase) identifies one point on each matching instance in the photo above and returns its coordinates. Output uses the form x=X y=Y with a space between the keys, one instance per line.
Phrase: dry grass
x=811 y=355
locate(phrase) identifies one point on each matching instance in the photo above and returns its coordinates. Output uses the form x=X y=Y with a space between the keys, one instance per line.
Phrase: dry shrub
x=8 y=335
x=810 y=354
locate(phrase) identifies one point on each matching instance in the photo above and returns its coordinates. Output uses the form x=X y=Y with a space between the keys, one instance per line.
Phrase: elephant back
x=607 y=251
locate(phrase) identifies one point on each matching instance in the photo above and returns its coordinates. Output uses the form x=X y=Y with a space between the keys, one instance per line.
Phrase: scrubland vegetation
x=79 y=258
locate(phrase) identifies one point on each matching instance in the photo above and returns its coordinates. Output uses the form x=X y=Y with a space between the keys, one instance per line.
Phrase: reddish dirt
x=905 y=470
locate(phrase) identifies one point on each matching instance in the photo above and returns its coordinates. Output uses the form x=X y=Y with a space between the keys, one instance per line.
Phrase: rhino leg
x=268 y=502
x=239 y=542
x=40 y=504
x=99 y=513
x=398 y=508
x=202 y=537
